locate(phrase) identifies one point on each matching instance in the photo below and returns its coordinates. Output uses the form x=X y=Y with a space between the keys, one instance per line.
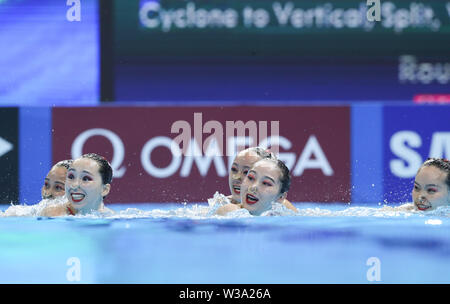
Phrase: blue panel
x=412 y=134
x=35 y=152
x=48 y=59
x=366 y=149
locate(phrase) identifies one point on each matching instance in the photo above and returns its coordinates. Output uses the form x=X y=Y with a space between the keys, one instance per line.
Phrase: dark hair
x=263 y=153
x=105 y=170
x=440 y=163
x=64 y=163
x=285 y=176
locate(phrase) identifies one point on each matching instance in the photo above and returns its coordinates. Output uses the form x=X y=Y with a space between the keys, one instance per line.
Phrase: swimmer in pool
x=266 y=182
x=432 y=185
x=243 y=161
x=54 y=182
x=88 y=182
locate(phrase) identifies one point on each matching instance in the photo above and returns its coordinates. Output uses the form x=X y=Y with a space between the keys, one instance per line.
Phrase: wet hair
x=285 y=176
x=440 y=163
x=105 y=170
x=263 y=153
x=64 y=163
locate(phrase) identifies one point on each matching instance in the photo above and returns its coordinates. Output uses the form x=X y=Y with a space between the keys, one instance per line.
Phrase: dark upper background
x=222 y=51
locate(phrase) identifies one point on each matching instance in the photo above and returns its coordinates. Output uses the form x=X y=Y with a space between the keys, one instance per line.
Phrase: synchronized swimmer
x=267 y=182
x=257 y=180
x=87 y=183
x=241 y=165
x=55 y=181
x=432 y=185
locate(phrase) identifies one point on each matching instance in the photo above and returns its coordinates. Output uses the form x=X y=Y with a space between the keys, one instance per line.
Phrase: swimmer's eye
x=87 y=179
x=250 y=177
x=46 y=185
x=70 y=176
x=245 y=172
x=432 y=190
x=233 y=169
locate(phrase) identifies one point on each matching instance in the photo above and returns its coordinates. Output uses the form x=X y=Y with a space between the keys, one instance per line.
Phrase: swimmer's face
x=261 y=187
x=430 y=190
x=241 y=164
x=84 y=186
x=54 y=183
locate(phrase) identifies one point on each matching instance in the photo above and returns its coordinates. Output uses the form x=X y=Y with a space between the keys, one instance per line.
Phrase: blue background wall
x=373 y=155
x=46 y=59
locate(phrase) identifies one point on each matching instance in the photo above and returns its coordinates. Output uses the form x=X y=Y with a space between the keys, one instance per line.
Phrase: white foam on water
x=404 y=210
x=204 y=212
x=32 y=210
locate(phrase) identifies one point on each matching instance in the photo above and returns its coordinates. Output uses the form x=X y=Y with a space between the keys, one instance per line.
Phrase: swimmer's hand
x=232 y=200
x=222 y=210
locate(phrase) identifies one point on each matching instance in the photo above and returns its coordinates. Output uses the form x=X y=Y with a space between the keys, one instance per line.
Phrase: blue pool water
x=173 y=243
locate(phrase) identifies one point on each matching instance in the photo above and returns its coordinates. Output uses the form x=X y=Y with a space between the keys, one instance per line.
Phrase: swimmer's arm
x=222 y=210
x=289 y=205
x=406 y=207
x=52 y=211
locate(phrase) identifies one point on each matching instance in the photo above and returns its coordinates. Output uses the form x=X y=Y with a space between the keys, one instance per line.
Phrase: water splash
x=32 y=210
x=405 y=210
x=197 y=211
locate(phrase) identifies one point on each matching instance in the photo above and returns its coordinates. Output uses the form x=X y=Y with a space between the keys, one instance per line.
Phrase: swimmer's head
x=243 y=161
x=105 y=168
x=54 y=182
x=432 y=185
x=267 y=181
x=88 y=182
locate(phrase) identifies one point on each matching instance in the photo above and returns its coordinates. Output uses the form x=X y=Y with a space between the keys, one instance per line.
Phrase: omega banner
x=183 y=154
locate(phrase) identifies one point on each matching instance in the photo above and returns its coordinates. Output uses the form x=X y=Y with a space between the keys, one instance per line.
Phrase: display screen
x=280 y=50
x=280 y=28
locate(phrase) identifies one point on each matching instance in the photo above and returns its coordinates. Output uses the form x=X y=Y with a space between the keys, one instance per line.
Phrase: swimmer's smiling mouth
x=237 y=189
x=421 y=206
x=77 y=197
x=250 y=199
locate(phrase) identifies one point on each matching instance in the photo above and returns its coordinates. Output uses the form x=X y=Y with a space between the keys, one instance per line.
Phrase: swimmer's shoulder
x=222 y=210
x=289 y=205
x=106 y=211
